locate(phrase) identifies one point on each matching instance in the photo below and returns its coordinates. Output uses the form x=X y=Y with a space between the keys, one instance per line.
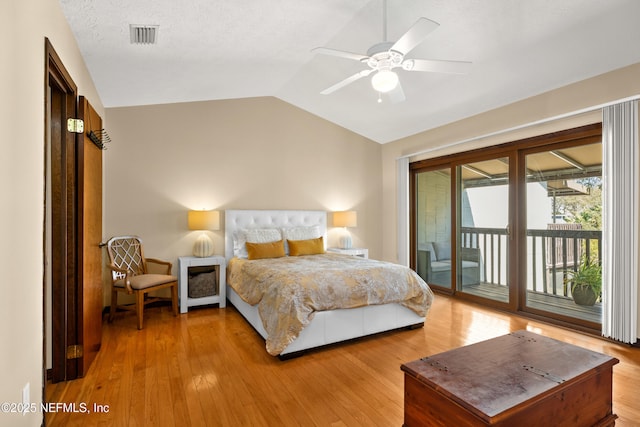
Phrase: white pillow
x=253 y=235
x=301 y=233
x=262 y=235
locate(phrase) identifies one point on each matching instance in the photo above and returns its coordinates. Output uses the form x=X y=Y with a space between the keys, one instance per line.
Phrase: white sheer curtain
x=403 y=210
x=620 y=221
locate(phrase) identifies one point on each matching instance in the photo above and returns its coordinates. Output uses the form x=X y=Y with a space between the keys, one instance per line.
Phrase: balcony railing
x=555 y=252
x=551 y=254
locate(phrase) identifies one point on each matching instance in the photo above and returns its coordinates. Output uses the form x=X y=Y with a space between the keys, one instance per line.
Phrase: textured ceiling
x=221 y=49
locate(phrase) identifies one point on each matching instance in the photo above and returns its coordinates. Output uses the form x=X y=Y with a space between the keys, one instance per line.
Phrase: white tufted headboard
x=239 y=219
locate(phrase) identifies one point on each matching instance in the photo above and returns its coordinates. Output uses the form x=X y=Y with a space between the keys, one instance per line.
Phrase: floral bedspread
x=289 y=290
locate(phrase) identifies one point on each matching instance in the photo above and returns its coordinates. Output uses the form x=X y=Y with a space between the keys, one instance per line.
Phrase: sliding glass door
x=462 y=242
x=564 y=231
x=515 y=226
x=433 y=227
x=483 y=233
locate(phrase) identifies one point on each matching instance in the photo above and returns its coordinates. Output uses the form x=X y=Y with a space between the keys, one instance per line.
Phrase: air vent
x=143 y=34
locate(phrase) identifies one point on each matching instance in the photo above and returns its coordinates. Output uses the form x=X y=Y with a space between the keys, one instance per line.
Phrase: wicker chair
x=129 y=274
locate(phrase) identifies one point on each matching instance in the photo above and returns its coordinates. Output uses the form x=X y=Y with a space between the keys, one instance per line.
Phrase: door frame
x=61 y=95
x=512 y=264
x=582 y=136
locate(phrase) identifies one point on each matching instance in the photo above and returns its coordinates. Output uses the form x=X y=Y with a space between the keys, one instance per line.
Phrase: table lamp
x=203 y=220
x=345 y=219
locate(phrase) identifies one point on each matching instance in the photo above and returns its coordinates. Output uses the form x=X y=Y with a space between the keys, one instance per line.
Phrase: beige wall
x=254 y=153
x=24 y=25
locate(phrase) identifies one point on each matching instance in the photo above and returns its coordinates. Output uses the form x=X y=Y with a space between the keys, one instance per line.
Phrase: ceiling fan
x=382 y=58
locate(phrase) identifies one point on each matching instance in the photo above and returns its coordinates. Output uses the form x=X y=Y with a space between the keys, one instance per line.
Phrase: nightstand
x=199 y=270
x=361 y=252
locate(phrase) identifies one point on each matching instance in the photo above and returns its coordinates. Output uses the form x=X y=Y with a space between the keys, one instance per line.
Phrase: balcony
x=551 y=254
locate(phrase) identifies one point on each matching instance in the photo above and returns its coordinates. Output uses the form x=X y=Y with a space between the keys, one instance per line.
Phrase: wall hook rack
x=100 y=138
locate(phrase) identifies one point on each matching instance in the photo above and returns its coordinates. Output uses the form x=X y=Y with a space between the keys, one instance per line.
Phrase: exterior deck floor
x=540 y=301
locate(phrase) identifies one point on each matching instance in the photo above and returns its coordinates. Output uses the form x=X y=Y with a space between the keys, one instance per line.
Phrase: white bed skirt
x=328 y=327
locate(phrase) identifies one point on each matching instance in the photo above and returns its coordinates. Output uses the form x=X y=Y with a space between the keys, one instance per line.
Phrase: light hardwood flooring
x=209 y=368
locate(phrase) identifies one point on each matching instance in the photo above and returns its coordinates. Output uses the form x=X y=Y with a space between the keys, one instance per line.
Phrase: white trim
x=403 y=211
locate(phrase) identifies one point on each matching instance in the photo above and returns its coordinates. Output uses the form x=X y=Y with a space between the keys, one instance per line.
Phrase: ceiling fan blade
x=415 y=35
x=348 y=80
x=397 y=95
x=437 y=66
x=340 y=53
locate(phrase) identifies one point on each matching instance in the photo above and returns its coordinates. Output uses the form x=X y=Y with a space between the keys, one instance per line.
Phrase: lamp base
x=203 y=246
x=345 y=241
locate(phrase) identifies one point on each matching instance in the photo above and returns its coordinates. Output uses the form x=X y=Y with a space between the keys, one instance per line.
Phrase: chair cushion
x=446 y=265
x=443 y=250
x=144 y=281
x=469 y=264
x=428 y=246
x=441 y=266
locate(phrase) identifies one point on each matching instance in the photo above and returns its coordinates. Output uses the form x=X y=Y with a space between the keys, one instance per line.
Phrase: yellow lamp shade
x=204 y=220
x=345 y=219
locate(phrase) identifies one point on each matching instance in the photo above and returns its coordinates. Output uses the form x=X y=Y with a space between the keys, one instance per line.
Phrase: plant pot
x=584 y=295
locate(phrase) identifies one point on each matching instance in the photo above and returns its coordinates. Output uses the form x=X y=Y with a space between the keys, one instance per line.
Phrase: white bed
x=327 y=327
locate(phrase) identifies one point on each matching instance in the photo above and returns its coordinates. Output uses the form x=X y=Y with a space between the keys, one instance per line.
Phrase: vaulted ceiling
x=222 y=49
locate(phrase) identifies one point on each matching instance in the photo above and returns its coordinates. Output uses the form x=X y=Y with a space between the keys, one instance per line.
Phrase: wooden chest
x=519 y=379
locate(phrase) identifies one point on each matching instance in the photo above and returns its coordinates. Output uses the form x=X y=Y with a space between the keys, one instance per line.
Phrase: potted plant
x=586 y=283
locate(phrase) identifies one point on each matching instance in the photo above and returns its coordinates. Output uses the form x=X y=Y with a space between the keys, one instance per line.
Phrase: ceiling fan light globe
x=384 y=81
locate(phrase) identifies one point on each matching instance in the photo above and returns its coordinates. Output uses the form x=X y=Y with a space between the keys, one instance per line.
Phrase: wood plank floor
x=209 y=368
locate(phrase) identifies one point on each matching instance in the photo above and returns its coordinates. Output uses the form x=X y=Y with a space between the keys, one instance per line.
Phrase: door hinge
x=75 y=125
x=74 y=351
